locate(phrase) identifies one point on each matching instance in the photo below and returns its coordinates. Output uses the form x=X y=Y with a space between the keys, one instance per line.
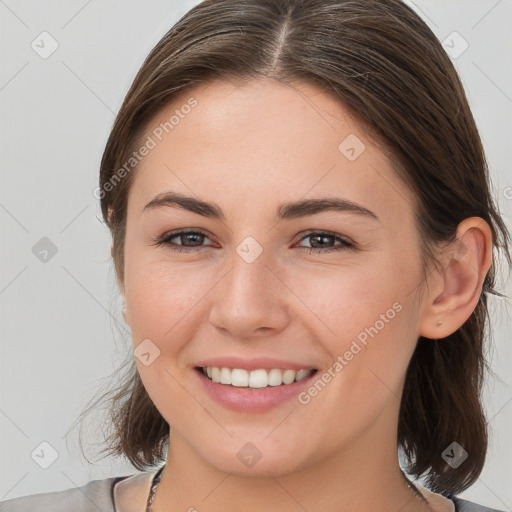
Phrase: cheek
x=367 y=317
x=348 y=299
x=161 y=302
x=159 y=298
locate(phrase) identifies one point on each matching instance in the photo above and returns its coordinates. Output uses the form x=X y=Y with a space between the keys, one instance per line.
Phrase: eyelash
x=166 y=240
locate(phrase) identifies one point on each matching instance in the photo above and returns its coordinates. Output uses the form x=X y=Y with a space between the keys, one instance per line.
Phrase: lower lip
x=252 y=400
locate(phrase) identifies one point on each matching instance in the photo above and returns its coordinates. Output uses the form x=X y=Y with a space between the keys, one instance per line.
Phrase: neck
x=362 y=477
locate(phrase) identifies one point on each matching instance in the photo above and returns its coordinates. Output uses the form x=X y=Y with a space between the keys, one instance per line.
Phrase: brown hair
x=386 y=66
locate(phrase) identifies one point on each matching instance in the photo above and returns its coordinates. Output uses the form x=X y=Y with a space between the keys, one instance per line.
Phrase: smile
x=255 y=379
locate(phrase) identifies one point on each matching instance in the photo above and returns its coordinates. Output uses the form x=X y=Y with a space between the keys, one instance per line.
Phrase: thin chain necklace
x=154 y=485
x=415 y=490
x=158 y=475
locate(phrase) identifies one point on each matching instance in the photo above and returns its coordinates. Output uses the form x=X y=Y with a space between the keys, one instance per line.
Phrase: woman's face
x=272 y=279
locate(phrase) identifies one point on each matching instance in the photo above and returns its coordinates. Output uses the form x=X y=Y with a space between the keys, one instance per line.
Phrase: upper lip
x=257 y=363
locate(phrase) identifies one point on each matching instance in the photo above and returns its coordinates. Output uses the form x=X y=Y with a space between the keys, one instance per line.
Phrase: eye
x=188 y=240
x=191 y=241
x=322 y=239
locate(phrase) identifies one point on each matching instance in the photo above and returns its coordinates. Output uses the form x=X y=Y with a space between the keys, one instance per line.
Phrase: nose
x=250 y=301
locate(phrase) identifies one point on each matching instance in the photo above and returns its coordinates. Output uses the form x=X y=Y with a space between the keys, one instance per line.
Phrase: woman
x=305 y=239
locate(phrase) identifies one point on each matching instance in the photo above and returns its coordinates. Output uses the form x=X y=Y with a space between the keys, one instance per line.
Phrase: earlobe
x=465 y=264
x=124 y=307
x=125 y=314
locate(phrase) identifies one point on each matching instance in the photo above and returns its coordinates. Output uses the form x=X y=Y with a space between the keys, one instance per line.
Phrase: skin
x=249 y=148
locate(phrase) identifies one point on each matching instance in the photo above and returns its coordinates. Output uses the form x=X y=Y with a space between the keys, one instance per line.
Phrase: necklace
x=415 y=490
x=158 y=475
x=154 y=485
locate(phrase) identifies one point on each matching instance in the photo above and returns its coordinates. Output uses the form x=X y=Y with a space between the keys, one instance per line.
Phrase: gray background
x=62 y=331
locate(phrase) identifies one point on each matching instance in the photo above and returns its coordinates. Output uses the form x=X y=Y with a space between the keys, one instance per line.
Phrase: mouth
x=255 y=384
x=254 y=379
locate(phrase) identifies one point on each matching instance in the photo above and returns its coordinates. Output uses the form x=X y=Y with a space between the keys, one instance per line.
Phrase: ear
x=122 y=291
x=125 y=310
x=126 y=315
x=453 y=293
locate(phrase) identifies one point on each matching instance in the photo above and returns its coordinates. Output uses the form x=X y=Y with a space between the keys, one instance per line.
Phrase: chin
x=259 y=458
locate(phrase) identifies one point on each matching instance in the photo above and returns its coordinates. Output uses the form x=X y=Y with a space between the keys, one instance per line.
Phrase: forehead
x=263 y=141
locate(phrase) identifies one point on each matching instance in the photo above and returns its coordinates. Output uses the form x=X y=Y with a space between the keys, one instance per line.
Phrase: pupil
x=188 y=237
x=320 y=237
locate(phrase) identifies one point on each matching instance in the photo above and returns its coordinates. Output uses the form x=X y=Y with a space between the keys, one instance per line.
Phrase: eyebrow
x=290 y=210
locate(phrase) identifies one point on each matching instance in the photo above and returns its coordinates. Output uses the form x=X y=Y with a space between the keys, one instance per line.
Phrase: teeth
x=302 y=374
x=256 y=378
x=289 y=376
x=239 y=378
x=215 y=374
x=225 y=376
x=275 y=377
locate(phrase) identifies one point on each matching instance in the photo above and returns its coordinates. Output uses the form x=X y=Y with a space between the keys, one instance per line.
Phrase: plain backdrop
x=62 y=331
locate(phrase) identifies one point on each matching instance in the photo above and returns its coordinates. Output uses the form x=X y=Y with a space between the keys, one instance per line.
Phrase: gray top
x=98 y=496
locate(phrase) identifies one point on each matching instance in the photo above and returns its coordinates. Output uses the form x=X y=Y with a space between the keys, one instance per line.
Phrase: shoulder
x=469 y=506
x=95 y=496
